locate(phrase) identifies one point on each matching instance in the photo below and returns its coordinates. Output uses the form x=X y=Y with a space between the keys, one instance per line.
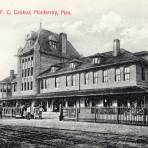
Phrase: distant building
x=51 y=71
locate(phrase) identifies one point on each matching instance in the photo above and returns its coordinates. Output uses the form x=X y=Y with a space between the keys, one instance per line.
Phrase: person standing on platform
x=32 y=112
x=40 y=112
x=28 y=112
x=1 y=111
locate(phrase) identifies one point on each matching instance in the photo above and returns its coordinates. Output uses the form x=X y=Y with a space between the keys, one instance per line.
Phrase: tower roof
x=42 y=37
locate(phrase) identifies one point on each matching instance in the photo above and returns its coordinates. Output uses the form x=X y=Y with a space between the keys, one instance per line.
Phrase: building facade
x=50 y=71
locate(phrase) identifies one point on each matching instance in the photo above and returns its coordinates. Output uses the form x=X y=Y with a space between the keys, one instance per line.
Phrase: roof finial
x=40 y=23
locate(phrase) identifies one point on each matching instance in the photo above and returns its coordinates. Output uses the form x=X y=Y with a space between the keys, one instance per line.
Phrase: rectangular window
x=57 y=83
x=23 y=66
x=42 y=84
x=54 y=45
x=45 y=84
x=143 y=73
x=73 y=80
x=72 y=65
x=22 y=86
x=25 y=72
x=31 y=85
x=117 y=74
x=31 y=61
x=23 y=63
x=95 y=77
x=25 y=86
x=52 y=69
x=14 y=89
x=28 y=71
x=126 y=73
x=28 y=86
x=22 y=72
x=86 y=78
x=96 y=60
x=68 y=80
x=8 y=88
x=5 y=88
x=105 y=75
x=31 y=71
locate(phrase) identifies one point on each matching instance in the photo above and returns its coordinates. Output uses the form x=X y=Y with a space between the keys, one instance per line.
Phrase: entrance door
x=56 y=106
x=44 y=105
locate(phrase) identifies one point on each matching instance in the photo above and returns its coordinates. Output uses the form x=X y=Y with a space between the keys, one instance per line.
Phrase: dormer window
x=52 y=69
x=53 y=44
x=72 y=65
x=50 y=43
x=143 y=73
x=96 y=60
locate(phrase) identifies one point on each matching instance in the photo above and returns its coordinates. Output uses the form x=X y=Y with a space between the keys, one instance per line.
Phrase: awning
x=89 y=92
x=95 y=92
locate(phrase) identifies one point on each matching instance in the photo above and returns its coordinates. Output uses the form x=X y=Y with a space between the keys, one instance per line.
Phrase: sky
x=91 y=27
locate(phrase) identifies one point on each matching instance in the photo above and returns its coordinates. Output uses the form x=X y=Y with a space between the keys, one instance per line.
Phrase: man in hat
x=28 y=112
x=1 y=111
x=40 y=112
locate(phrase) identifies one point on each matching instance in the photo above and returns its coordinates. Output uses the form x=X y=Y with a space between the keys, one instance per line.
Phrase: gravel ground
x=83 y=126
x=53 y=133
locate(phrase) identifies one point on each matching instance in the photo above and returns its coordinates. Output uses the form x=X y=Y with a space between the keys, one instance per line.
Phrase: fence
x=19 y=112
x=11 y=111
x=119 y=115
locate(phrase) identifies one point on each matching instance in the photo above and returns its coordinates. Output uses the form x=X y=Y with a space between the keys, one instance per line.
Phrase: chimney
x=116 y=47
x=11 y=74
x=63 y=42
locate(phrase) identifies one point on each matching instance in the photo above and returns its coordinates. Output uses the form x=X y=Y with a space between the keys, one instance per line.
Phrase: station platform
x=79 y=126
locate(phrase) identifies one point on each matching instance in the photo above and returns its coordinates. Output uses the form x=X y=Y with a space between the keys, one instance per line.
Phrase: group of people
x=26 y=111
x=32 y=112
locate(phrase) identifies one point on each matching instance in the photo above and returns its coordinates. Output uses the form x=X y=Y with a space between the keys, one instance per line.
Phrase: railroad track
x=7 y=132
x=28 y=136
x=43 y=137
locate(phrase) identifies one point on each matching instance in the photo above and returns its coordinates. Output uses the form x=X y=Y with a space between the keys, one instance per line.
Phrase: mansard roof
x=42 y=37
x=124 y=56
x=108 y=60
x=141 y=53
x=8 y=79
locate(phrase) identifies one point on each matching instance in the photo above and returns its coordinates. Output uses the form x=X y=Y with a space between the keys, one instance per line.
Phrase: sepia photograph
x=74 y=74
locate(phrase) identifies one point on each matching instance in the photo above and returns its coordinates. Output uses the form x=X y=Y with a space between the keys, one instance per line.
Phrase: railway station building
x=50 y=71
